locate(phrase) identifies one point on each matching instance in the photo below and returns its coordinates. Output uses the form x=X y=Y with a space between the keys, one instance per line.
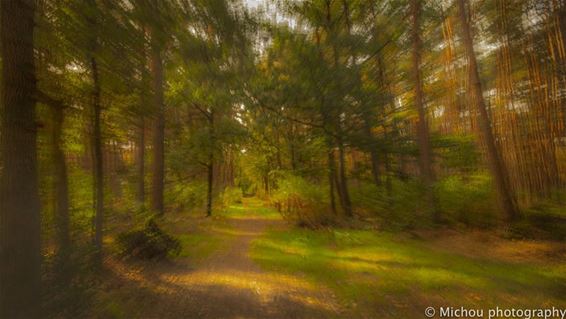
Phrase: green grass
x=380 y=275
x=200 y=237
x=250 y=208
x=208 y=235
x=198 y=246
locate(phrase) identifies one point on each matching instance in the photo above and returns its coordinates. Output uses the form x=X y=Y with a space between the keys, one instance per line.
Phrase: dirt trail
x=230 y=285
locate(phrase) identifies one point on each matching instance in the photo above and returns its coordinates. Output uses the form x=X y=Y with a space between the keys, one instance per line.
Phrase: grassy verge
x=200 y=237
x=383 y=276
x=250 y=208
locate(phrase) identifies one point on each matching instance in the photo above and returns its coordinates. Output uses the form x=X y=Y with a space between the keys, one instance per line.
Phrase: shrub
x=398 y=210
x=188 y=195
x=230 y=196
x=458 y=152
x=467 y=200
x=542 y=221
x=151 y=242
x=301 y=201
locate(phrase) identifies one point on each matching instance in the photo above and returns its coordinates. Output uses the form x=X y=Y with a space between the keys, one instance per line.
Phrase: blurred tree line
x=397 y=107
x=411 y=113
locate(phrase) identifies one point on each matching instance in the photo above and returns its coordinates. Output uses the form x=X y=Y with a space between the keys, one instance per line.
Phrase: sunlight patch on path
x=266 y=286
x=227 y=283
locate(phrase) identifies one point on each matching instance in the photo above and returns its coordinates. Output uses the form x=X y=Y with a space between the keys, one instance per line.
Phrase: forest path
x=229 y=284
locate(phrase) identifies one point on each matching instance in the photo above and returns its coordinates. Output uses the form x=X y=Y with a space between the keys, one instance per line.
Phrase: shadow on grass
x=380 y=275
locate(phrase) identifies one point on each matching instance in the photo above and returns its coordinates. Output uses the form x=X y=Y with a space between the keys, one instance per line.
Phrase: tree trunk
x=292 y=148
x=331 y=178
x=20 y=251
x=158 y=130
x=498 y=170
x=98 y=168
x=344 y=193
x=388 y=172
x=210 y=181
x=210 y=166
x=375 y=171
x=374 y=154
x=61 y=187
x=425 y=151
x=141 y=140
x=140 y=159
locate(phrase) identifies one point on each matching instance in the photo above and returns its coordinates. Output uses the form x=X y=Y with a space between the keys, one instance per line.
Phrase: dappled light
x=215 y=280
x=286 y=159
x=409 y=269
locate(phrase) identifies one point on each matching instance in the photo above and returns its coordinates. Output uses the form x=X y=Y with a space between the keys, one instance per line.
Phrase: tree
x=20 y=255
x=425 y=150
x=141 y=141
x=158 y=168
x=61 y=186
x=91 y=12
x=498 y=170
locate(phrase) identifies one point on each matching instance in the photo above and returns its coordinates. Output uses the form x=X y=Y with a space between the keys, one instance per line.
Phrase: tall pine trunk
x=141 y=138
x=140 y=160
x=505 y=196
x=373 y=152
x=97 y=155
x=331 y=161
x=331 y=179
x=158 y=169
x=61 y=187
x=344 y=193
x=210 y=166
x=423 y=138
x=97 y=152
x=375 y=170
x=20 y=251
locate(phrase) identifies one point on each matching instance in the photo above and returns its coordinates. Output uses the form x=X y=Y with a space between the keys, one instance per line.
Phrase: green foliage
x=151 y=242
x=458 y=151
x=230 y=196
x=543 y=221
x=187 y=196
x=301 y=201
x=401 y=209
x=468 y=200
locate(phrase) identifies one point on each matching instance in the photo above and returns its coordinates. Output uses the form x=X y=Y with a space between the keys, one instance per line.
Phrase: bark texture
x=20 y=254
x=158 y=130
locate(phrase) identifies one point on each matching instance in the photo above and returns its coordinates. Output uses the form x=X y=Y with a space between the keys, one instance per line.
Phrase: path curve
x=230 y=285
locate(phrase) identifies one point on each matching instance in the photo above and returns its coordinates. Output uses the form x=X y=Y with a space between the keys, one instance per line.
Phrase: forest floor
x=215 y=276
x=247 y=263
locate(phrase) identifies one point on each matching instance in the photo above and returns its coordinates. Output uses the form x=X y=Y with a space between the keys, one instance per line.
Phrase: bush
x=467 y=200
x=230 y=196
x=301 y=201
x=148 y=243
x=543 y=221
x=188 y=195
x=458 y=152
x=398 y=210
